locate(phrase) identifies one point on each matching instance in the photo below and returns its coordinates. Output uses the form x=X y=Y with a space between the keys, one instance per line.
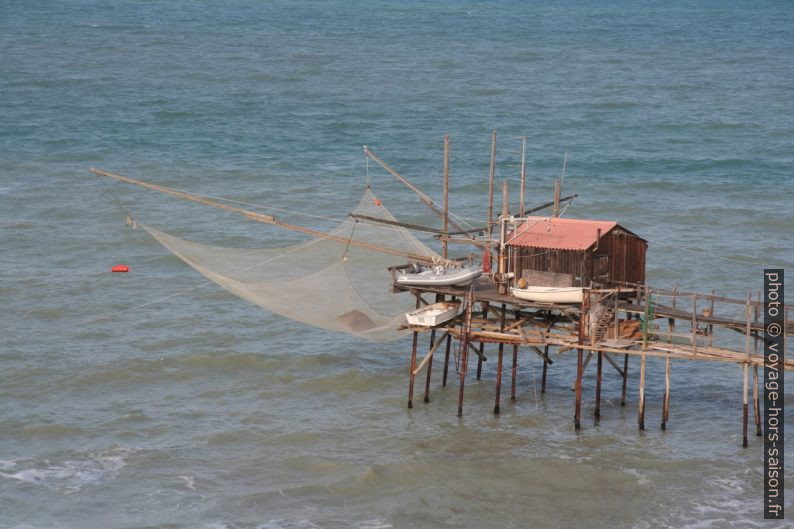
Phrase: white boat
x=549 y=294
x=438 y=276
x=435 y=314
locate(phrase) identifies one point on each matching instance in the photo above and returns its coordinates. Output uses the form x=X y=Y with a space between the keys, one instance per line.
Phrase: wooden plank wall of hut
x=559 y=261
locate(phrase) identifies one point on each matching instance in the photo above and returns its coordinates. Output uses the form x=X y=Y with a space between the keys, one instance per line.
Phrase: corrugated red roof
x=559 y=233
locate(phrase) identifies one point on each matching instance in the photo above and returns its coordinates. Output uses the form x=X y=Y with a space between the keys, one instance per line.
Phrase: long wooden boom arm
x=266 y=219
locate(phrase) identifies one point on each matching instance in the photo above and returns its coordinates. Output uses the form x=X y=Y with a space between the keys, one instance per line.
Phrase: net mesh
x=320 y=282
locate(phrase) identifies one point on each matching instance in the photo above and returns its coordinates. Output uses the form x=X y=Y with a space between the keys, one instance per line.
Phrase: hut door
x=601 y=272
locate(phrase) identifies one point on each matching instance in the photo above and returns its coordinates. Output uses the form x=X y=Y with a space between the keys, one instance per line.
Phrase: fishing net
x=320 y=282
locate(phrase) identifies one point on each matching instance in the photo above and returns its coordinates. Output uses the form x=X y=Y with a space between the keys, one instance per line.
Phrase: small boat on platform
x=437 y=276
x=549 y=294
x=435 y=314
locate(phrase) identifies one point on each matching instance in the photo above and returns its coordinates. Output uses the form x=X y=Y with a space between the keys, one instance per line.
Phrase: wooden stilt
x=666 y=398
x=545 y=368
x=597 y=414
x=464 y=347
x=577 y=418
x=625 y=379
x=746 y=369
x=480 y=355
x=744 y=407
x=756 y=402
x=446 y=361
x=641 y=410
x=499 y=363
x=514 y=371
x=646 y=323
x=429 y=367
x=412 y=376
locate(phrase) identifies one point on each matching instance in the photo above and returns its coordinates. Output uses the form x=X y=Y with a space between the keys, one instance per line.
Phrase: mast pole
x=445 y=229
x=523 y=175
x=491 y=173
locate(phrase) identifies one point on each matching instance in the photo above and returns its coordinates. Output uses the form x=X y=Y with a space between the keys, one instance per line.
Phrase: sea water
x=148 y=399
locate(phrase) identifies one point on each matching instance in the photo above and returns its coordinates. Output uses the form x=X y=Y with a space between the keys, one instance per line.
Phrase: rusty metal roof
x=559 y=233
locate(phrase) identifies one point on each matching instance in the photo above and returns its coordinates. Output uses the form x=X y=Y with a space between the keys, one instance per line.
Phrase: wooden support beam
x=666 y=398
x=625 y=379
x=429 y=361
x=641 y=410
x=514 y=370
x=412 y=374
x=480 y=355
x=694 y=324
x=499 y=365
x=445 y=243
x=545 y=205
x=446 y=361
x=266 y=219
x=577 y=420
x=756 y=402
x=491 y=174
x=545 y=368
x=597 y=413
x=745 y=370
x=426 y=200
x=522 y=174
x=464 y=346
x=613 y=364
x=556 y=210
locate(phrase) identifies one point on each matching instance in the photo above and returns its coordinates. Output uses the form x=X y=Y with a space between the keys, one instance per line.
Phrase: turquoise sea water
x=203 y=411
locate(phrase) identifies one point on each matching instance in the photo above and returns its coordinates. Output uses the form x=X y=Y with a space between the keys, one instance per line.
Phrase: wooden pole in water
x=577 y=418
x=412 y=376
x=694 y=324
x=446 y=361
x=491 y=174
x=711 y=314
x=514 y=371
x=545 y=368
x=445 y=243
x=502 y=289
x=597 y=414
x=480 y=356
x=556 y=210
x=756 y=403
x=641 y=408
x=625 y=379
x=464 y=347
x=746 y=369
x=499 y=362
x=429 y=366
x=523 y=175
x=666 y=398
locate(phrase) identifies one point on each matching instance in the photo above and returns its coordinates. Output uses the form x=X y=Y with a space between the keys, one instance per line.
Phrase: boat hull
x=549 y=294
x=434 y=314
x=448 y=277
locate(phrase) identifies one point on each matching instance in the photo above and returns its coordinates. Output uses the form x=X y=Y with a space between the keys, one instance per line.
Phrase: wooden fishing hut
x=619 y=314
x=563 y=252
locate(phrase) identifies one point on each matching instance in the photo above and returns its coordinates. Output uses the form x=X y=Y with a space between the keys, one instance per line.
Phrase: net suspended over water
x=320 y=282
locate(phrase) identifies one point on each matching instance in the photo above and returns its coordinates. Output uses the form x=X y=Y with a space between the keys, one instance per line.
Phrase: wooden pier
x=625 y=321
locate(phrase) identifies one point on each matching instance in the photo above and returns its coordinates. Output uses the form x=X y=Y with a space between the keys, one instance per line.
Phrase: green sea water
x=203 y=411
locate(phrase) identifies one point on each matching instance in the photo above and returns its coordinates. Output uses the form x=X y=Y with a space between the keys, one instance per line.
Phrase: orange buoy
x=120 y=268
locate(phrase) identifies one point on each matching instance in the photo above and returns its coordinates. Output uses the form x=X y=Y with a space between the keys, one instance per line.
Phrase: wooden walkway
x=607 y=324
